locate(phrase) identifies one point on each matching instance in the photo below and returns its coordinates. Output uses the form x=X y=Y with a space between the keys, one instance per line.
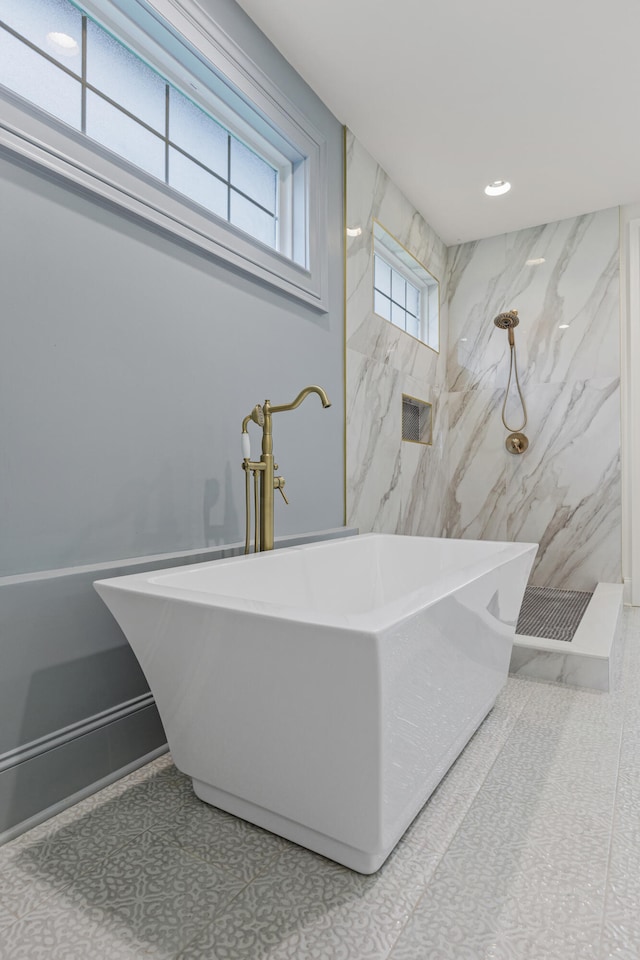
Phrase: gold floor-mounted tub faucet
x=264 y=479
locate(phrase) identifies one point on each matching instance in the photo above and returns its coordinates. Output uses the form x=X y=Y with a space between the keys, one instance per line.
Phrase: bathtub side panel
x=441 y=672
x=281 y=714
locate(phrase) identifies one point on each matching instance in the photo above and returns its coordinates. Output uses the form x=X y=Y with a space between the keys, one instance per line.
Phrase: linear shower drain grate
x=550 y=613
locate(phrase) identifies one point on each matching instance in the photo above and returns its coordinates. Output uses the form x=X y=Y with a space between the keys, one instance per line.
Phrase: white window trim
x=51 y=144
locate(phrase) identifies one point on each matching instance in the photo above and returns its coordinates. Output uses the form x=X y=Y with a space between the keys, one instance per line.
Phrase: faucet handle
x=279 y=483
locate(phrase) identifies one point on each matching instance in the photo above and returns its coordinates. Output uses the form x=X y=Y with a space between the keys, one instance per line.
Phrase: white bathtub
x=322 y=691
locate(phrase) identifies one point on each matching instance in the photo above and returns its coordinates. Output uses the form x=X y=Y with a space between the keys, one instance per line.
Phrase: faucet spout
x=302 y=396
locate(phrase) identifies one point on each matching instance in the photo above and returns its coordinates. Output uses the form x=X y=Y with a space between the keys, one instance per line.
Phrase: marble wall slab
x=564 y=492
x=577 y=284
x=475 y=499
x=392 y=486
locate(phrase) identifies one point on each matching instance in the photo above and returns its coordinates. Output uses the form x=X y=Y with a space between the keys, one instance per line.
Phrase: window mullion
x=83 y=107
x=166 y=133
x=229 y=178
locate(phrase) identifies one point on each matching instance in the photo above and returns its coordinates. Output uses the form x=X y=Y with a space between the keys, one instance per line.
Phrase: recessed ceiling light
x=497 y=187
x=463 y=339
x=563 y=326
x=354 y=231
x=63 y=44
x=535 y=262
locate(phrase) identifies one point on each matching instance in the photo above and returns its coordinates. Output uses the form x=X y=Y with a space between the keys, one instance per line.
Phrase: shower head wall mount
x=516 y=443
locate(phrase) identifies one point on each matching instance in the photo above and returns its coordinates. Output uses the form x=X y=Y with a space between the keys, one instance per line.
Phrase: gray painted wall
x=127 y=362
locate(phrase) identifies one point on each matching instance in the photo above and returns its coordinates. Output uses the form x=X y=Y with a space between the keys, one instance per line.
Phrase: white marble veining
x=564 y=492
x=374 y=423
x=323 y=691
x=423 y=478
x=475 y=499
x=391 y=485
x=576 y=285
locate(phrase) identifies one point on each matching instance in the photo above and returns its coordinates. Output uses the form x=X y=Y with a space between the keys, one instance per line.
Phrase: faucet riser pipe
x=266 y=502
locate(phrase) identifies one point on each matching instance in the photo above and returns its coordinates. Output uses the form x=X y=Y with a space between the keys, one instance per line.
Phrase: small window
x=114 y=78
x=404 y=292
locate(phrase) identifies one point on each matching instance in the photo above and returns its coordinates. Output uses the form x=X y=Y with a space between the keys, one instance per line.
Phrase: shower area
x=562 y=635
x=546 y=612
x=549 y=472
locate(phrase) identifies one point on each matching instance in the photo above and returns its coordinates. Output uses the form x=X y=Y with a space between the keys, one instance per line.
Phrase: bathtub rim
x=372 y=621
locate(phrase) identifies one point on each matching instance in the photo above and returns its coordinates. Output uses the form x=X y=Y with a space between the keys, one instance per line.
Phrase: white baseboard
x=58 y=738
x=87 y=791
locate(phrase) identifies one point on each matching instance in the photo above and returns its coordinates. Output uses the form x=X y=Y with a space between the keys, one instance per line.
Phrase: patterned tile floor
x=529 y=848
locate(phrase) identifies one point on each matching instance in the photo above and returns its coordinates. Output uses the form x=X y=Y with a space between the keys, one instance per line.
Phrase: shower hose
x=513 y=372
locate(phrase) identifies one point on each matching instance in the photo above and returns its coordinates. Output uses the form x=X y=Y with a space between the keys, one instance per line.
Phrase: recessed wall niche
x=417 y=424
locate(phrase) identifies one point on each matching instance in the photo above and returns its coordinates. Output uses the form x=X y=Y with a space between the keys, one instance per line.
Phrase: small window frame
x=389 y=249
x=300 y=268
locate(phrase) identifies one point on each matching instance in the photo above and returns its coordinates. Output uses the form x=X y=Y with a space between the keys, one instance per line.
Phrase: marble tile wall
x=565 y=491
x=392 y=486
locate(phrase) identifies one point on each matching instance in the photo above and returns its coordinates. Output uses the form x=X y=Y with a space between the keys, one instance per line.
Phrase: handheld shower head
x=257 y=415
x=508 y=320
x=517 y=442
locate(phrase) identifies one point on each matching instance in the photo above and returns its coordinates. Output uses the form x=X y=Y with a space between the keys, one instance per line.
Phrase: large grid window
x=91 y=81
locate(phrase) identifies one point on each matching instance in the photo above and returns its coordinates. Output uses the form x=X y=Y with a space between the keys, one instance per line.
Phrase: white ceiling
x=448 y=95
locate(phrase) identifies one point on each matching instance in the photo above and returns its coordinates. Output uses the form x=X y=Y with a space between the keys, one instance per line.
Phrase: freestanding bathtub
x=322 y=691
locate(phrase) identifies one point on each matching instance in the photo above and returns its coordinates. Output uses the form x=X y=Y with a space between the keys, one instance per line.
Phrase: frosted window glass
x=191 y=180
x=398 y=288
x=53 y=25
x=124 y=136
x=251 y=175
x=383 y=276
x=398 y=315
x=413 y=299
x=382 y=305
x=27 y=73
x=123 y=77
x=252 y=219
x=197 y=133
x=413 y=326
